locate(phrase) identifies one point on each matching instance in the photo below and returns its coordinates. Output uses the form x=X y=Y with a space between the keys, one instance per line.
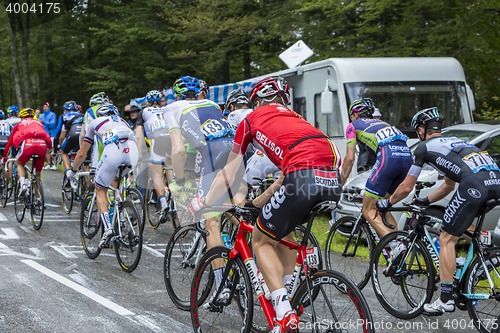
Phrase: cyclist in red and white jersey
x=30 y=138
x=309 y=162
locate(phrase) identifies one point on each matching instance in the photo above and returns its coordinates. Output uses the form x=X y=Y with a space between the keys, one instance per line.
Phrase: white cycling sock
x=105 y=221
x=218 y=273
x=22 y=181
x=163 y=201
x=287 y=278
x=281 y=303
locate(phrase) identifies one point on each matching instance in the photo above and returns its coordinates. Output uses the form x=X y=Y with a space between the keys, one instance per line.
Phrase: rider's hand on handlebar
x=70 y=174
x=422 y=201
x=249 y=204
x=197 y=204
x=383 y=205
x=4 y=159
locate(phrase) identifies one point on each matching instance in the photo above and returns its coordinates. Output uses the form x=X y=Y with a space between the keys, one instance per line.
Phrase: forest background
x=128 y=47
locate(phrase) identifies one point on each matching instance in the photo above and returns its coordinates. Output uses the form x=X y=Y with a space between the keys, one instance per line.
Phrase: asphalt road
x=48 y=284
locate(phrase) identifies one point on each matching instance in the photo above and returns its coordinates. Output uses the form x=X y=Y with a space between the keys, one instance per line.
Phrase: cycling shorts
x=290 y=205
x=392 y=165
x=112 y=156
x=161 y=147
x=472 y=192
x=30 y=147
x=71 y=142
x=3 y=141
x=214 y=158
x=260 y=166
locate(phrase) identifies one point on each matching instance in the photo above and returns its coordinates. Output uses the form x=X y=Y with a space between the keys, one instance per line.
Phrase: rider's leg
x=21 y=172
x=66 y=161
x=159 y=182
x=370 y=211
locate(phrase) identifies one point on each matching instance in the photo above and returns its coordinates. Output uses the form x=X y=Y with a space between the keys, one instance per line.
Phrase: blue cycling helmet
x=70 y=106
x=187 y=87
x=154 y=96
x=13 y=110
x=2 y=115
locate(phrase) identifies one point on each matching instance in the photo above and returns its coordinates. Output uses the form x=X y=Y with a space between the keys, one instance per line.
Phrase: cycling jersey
x=155 y=128
x=236 y=117
x=259 y=166
x=97 y=148
x=13 y=121
x=476 y=172
x=5 y=131
x=119 y=147
x=372 y=133
x=289 y=141
x=73 y=127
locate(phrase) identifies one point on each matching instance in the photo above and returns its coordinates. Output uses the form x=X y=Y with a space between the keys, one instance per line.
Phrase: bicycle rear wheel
x=483 y=312
x=37 y=204
x=91 y=229
x=19 y=206
x=128 y=247
x=350 y=255
x=183 y=253
x=67 y=195
x=135 y=197
x=224 y=314
x=403 y=287
x=153 y=205
x=3 y=187
x=337 y=304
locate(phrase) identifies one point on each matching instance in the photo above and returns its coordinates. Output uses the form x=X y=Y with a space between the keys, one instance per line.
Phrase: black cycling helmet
x=236 y=97
x=364 y=107
x=426 y=117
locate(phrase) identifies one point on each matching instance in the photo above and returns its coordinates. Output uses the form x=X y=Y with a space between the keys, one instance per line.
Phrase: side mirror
x=327 y=100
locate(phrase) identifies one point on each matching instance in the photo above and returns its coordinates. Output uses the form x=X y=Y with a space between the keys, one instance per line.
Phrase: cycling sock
x=287 y=278
x=218 y=273
x=281 y=303
x=105 y=221
x=22 y=180
x=446 y=291
x=163 y=201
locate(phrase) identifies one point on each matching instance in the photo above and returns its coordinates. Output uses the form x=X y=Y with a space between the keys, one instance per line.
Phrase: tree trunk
x=25 y=35
x=15 y=63
x=47 y=83
x=222 y=74
x=246 y=62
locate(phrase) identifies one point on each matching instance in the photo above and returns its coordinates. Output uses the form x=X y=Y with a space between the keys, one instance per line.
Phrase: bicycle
x=5 y=189
x=71 y=191
x=351 y=241
x=476 y=283
x=125 y=221
x=324 y=299
x=32 y=199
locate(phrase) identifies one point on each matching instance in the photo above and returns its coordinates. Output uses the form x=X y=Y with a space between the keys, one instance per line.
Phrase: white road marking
x=153 y=251
x=3 y=246
x=10 y=233
x=3 y=217
x=61 y=249
x=82 y=290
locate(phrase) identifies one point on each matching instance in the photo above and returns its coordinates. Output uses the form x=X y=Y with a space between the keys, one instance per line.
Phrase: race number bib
x=388 y=135
x=213 y=129
x=158 y=123
x=109 y=136
x=478 y=161
x=312 y=257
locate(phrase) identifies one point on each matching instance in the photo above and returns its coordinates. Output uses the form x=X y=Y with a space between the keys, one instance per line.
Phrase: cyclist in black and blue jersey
x=69 y=138
x=5 y=130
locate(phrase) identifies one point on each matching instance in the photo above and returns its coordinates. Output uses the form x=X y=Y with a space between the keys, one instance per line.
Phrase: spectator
x=37 y=113
x=48 y=120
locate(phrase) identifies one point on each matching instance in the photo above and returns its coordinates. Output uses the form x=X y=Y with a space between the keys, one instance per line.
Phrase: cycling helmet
x=154 y=96
x=427 y=116
x=2 y=115
x=187 y=86
x=362 y=106
x=204 y=88
x=270 y=87
x=236 y=97
x=26 y=113
x=106 y=109
x=99 y=98
x=13 y=110
x=69 y=106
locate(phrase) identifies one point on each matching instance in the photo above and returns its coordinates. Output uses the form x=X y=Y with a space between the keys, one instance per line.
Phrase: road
x=48 y=284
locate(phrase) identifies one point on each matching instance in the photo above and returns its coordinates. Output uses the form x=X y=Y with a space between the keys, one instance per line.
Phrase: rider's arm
x=403 y=189
x=261 y=200
x=442 y=191
x=224 y=178
x=177 y=152
x=348 y=163
x=62 y=136
x=80 y=156
x=139 y=135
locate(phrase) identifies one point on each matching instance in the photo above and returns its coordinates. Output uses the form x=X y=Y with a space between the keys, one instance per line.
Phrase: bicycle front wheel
x=128 y=245
x=153 y=205
x=336 y=304
x=350 y=255
x=183 y=253
x=37 y=204
x=403 y=283
x=91 y=228
x=67 y=195
x=232 y=310
x=135 y=197
x=19 y=206
x=3 y=187
x=483 y=311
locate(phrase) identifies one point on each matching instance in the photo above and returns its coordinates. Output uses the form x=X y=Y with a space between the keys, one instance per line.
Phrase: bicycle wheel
x=90 y=227
x=3 y=187
x=128 y=247
x=224 y=314
x=483 y=312
x=19 y=206
x=172 y=209
x=350 y=255
x=153 y=206
x=84 y=185
x=337 y=303
x=183 y=253
x=67 y=195
x=134 y=196
x=298 y=235
x=408 y=284
x=37 y=204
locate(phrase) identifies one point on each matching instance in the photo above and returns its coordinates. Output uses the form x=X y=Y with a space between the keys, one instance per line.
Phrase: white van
x=399 y=87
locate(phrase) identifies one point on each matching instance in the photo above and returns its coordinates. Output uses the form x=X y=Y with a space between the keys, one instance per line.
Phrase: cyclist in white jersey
x=5 y=130
x=95 y=101
x=13 y=119
x=150 y=121
x=119 y=147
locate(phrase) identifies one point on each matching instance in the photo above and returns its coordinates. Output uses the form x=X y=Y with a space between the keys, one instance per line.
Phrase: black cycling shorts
x=290 y=205
x=71 y=142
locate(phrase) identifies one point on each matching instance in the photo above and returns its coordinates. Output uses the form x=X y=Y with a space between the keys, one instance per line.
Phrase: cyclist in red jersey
x=29 y=138
x=309 y=162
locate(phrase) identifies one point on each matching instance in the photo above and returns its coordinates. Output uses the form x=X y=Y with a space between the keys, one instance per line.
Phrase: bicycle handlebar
x=406 y=208
x=242 y=211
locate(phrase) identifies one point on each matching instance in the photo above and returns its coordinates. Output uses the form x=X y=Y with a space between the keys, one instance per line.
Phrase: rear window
x=467 y=136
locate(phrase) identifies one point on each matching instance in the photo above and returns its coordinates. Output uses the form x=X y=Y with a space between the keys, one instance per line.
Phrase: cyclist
x=150 y=121
x=69 y=138
x=463 y=163
x=388 y=144
x=204 y=90
x=13 y=119
x=30 y=138
x=309 y=162
x=95 y=101
x=119 y=147
x=5 y=130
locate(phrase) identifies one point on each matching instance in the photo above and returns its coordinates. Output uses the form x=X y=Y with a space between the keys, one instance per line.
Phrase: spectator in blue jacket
x=48 y=119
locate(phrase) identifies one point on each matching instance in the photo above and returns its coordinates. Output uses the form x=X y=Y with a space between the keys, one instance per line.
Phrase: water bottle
x=111 y=195
x=111 y=210
x=263 y=284
x=438 y=246
x=225 y=239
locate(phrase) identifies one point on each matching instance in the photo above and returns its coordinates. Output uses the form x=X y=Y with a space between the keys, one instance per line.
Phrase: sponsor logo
x=266 y=142
x=251 y=269
x=448 y=165
x=401 y=148
x=188 y=129
x=326 y=179
x=270 y=226
x=460 y=144
x=126 y=150
x=37 y=141
x=433 y=254
x=349 y=130
x=492 y=175
x=491 y=182
x=275 y=202
x=452 y=208
x=474 y=193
